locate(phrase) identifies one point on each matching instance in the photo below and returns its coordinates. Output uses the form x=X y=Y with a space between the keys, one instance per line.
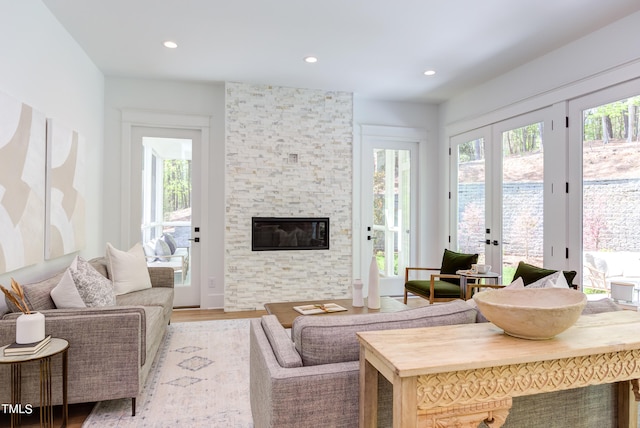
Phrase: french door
x=165 y=162
x=498 y=193
x=605 y=171
x=388 y=209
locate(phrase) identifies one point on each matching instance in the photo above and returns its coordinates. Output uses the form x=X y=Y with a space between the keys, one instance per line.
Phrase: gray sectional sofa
x=309 y=377
x=110 y=348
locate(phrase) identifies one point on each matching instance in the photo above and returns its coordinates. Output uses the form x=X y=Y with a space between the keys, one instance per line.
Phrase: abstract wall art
x=65 y=204
x=22 y=184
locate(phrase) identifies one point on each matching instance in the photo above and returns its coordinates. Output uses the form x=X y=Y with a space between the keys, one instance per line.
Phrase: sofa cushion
x=154 y=330
x=281 y=344
x=100 y=265
x=441 y=288
x=38 y=294
x=127 y=269
x=332 y=339
x=453 y=262
x=155 y=296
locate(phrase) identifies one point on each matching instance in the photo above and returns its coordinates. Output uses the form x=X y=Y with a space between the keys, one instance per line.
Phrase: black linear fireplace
x=289 y=233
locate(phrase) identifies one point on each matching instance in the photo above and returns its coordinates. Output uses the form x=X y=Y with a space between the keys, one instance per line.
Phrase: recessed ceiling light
x=310 y=59
x=429 y=72
x=170 y=44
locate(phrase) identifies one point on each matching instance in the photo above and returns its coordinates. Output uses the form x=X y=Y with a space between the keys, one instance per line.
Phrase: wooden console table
x=461 y=375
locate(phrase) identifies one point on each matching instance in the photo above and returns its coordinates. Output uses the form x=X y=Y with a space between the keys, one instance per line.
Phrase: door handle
x=495 y=242
x=194 y=239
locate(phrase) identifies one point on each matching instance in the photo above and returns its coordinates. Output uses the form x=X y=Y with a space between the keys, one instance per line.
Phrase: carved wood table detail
x=459 y=376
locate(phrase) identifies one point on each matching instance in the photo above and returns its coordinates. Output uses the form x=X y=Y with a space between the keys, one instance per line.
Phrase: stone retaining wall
x=611 y=217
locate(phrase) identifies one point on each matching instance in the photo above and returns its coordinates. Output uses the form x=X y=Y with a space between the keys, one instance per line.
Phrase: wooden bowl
x=532 y=313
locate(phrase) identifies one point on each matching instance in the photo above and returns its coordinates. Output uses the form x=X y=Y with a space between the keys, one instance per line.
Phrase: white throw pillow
x=65 y=295
x=517 y=284
x=561 y=282
x=150 y=250
x=171 y=242
x=127 y=269
x=548 y=281
x=162 y=249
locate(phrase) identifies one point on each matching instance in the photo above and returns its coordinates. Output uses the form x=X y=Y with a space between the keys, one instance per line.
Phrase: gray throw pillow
x=170 y=242
x=95 y=290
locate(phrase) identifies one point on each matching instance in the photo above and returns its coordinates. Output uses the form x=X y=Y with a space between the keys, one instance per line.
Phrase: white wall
x=44 y=67
x=587 y=64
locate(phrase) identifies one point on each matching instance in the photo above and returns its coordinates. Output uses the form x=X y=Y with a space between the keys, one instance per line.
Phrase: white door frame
x=130 y=222
x=575 y=209
x=384 y=137
x=454 y=141
x=492 y=135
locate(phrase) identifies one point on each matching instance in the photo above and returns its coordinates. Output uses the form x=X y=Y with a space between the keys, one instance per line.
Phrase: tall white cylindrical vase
x=30 y=328
x=358 y=299
x=373 y=299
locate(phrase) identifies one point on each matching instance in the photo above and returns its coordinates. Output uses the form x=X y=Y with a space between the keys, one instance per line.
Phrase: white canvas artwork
x=22 y=184
x=65 y=208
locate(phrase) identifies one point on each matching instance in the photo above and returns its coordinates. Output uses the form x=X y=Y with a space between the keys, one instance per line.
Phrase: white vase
x=30 y=328
x=358 y=299
x=373 y=299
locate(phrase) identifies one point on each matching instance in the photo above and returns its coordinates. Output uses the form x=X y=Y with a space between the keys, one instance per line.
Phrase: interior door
x=167 y=214
x=388 y=206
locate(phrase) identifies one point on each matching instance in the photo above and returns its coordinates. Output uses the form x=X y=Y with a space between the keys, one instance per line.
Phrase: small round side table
x=465 y=291
x=55 y=347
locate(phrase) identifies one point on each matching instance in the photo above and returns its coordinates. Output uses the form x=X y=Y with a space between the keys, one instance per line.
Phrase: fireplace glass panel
x=289 y=233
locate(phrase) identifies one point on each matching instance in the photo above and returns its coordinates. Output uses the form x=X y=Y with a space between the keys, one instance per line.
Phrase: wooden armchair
x=434 y=289
x=443 y=284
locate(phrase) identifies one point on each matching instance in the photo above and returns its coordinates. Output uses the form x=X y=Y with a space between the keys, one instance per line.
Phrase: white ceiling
x=375 y=48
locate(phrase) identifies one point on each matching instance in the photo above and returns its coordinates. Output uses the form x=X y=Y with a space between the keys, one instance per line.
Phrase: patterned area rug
x=200 y=378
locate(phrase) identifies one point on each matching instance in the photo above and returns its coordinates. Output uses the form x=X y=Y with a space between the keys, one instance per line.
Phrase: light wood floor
x=79 y=412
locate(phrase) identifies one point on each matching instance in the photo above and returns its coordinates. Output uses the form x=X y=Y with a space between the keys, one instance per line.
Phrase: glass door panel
x=610 y=194
x=498 y=198
x=168 y=210
x=522 y=197
x=391 y=210
x=166 y=214
x=388 y=206
x=471 y=198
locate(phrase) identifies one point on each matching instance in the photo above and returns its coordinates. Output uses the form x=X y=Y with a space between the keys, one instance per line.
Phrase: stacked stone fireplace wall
x=288 y=153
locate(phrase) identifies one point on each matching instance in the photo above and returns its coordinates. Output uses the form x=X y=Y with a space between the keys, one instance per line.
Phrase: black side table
x=55 y=347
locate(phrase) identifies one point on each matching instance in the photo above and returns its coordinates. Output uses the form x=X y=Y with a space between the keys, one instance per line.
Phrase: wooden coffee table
x=286 y=314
